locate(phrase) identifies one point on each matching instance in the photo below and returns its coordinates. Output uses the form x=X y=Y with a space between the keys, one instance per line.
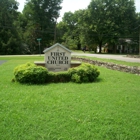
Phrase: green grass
x=23 y=57
x=80 y=51
x=108 y=109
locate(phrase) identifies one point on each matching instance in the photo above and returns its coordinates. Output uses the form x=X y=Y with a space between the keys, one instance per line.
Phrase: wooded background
x=105 y=23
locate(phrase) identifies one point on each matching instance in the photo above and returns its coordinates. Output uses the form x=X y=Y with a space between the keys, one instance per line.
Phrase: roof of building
x=55 y=45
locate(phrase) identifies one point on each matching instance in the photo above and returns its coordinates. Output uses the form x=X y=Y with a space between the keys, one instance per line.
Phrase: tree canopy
x=39 y=21
x=103 y=23
x=19 y=31
x=9 y=38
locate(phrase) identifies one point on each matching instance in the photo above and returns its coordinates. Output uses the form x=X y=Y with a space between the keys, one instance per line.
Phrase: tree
x=136 y=33
x=69 y=25
x=39 y=18
x=9 y=37
x=109 y=19
x=70 y=29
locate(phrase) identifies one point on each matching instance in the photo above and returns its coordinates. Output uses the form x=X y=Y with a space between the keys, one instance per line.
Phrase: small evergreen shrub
x=30 y=73
x=58 y=77
x=84 y=73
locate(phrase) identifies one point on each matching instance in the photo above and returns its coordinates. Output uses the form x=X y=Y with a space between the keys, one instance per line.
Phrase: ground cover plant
x=105 y=110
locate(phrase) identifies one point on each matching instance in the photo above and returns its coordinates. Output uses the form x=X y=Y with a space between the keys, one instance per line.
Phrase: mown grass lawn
x=108 y=109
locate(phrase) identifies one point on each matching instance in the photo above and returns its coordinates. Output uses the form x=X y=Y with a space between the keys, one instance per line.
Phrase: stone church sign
x=57 y=58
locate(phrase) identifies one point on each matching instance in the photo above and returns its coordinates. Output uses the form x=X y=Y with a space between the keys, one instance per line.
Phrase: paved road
x=106 y=56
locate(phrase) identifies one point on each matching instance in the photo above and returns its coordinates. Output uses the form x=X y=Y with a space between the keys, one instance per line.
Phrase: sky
x=73 y=5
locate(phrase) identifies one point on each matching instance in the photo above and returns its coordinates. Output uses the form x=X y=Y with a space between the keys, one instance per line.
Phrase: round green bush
x=30 y=73
x=84 y=73
x=55 y=77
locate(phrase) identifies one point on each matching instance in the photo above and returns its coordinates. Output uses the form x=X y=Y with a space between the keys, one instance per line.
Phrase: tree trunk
x=79 y=46
x=114 y=48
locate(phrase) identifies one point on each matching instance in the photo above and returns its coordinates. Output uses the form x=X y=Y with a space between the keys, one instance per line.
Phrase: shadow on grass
x=98 y=80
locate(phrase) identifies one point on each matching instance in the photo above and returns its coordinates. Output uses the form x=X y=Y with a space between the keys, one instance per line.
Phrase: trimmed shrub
x=30 y=73
x=84 y=73
x=58 y=77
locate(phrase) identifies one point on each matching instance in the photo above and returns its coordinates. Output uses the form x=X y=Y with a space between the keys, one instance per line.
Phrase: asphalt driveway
x=108 y=56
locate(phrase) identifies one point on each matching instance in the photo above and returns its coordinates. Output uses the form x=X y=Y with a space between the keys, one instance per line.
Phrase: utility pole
x=55 y=32
x=39 y=39
x=55 y=16
x=139 y=39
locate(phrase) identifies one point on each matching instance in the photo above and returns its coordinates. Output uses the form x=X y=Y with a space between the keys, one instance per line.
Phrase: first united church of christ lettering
x=57 y=58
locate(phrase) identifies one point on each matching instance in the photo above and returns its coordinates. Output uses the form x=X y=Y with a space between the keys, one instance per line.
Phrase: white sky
x=73 y=5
